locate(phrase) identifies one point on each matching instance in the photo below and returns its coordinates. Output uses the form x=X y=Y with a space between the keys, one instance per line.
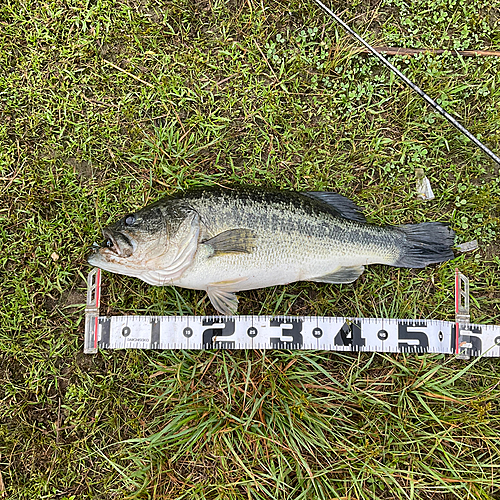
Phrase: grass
x=106 y=105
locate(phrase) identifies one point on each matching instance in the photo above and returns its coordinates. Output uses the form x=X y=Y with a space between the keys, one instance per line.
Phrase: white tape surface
x=284 y=332
x=263 y=332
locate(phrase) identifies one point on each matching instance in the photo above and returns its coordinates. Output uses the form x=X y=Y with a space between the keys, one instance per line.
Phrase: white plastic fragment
x=424 y=189
x=468 y=246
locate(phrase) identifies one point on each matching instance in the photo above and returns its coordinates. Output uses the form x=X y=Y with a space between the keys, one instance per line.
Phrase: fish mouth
x=116 y=243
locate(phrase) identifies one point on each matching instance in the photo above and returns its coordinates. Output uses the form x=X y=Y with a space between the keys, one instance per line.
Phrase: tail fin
x=426 y=243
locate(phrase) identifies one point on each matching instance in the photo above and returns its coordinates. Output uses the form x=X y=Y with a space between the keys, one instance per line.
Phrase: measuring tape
x=291 y=332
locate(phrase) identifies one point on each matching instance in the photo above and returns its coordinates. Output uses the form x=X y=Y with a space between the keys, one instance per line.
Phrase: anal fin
x=341 y=275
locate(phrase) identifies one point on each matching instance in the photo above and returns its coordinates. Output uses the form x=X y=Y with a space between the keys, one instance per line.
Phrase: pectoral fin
x=232 y=241
x=222 y=296
x=342 y=275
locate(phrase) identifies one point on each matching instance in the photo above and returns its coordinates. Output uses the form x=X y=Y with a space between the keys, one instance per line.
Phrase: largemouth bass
x=225 y=241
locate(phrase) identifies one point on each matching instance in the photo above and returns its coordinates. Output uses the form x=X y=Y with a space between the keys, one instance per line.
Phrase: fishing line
x=408 y=82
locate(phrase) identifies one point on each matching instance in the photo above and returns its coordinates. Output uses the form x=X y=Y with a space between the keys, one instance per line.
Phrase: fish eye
x=129 y=220
x=108 y=243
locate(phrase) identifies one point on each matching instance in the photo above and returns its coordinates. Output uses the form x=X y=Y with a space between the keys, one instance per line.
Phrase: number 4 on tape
x=283 y=332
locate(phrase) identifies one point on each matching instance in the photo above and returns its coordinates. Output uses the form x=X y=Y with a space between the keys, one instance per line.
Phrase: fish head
x=155 y=244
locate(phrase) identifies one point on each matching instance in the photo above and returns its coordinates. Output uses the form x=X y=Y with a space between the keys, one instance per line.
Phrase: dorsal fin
x=344 y=206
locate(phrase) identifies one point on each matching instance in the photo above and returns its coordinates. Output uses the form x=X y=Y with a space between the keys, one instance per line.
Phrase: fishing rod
x=408 y=82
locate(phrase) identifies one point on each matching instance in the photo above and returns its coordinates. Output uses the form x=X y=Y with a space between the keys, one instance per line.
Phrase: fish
x=225 y=241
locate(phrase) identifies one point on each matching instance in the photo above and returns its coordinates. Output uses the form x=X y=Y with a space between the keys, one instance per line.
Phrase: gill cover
x=179 y=253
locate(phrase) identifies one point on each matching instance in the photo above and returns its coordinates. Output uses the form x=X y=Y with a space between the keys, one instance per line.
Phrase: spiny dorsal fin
x=232 y=241
x=344 y=206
